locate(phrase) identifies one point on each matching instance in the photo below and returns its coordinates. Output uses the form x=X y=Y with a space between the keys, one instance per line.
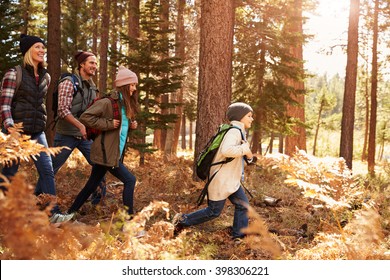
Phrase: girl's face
x=133 y=87
x=247 y=120
x=38 y=51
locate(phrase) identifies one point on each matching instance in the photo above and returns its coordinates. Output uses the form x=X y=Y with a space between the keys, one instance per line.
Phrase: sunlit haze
x=329 y=26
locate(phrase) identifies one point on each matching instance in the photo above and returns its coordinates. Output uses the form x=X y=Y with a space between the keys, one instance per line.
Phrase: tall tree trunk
x=183 y=132
x=166 y=134
x=348 y=117
x=180 y=53
x=298 y=140
x=133 y=21
x=215 y=68
x=54 y=59
x=191 y=140
x=318 y=126
x=103 y=47
x=259 y=110
x=374 y=88
x=114 y=39
x=26 y=17
x=95 y=28
x=367 y=120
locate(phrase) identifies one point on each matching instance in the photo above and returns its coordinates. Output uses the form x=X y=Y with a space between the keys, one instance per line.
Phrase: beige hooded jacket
x=227 y=180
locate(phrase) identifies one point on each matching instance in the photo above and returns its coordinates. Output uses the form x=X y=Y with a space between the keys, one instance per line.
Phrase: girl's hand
x=116 y=123
x=134 y=125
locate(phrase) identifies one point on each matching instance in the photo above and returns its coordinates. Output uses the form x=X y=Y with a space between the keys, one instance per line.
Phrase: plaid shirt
x=65 y=98
x=8 y=87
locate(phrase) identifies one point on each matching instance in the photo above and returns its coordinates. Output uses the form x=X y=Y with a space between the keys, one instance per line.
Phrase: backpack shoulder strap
x=242 y=135
x=115 y=107
x=74 y=80
x=19 y=75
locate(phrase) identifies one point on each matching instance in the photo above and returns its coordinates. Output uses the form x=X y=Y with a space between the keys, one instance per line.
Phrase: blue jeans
x=44 y=166
x=97 y=174
x=72 y=142
x=214 y=209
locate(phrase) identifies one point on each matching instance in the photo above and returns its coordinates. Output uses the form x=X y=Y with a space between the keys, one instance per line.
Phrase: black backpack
x=76 y=88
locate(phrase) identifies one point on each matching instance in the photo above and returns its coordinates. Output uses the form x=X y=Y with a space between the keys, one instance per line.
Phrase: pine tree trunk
x=180 y=53
x=54 y=59
x=183 y=132
x=367 y=120
x=164 y=25
x=133 y=20
x=318 y=126
x=348 y=117
x=94 y=14
x=191 y=132
x=215 y=68
x=374 y=102
x=114 y=39
x=103 y=47
x=26 y=17
x=299 y=139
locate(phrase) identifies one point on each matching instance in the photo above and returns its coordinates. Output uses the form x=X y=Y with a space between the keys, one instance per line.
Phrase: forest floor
x=300 y=226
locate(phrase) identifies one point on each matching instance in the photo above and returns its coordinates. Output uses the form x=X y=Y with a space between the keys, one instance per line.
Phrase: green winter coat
x=105 y=148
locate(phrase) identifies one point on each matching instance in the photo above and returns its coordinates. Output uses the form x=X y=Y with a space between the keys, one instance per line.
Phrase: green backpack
x=205 y=159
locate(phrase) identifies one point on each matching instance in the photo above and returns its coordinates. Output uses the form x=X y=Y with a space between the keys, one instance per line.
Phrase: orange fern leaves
x=17 y=146
x=325 y=179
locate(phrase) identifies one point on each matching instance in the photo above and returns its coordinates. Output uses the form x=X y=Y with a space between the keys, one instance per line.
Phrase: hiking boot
x=238 y=240
x=100 y=193
x=178 y=226
x=60 y=218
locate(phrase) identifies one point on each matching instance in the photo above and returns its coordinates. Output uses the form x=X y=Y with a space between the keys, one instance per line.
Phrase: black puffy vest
x=28 y=103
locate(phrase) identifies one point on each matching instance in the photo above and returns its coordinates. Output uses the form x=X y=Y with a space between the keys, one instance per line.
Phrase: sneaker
x=60 y=218
x=178 y=226
x=238 y=240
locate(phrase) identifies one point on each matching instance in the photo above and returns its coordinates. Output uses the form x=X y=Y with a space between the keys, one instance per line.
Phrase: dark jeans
x=97 y=174
x=44 y=166
x=84 y=146
x=214 y=209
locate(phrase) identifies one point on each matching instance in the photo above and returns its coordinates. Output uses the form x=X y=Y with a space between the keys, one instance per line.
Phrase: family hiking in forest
x=80 y=110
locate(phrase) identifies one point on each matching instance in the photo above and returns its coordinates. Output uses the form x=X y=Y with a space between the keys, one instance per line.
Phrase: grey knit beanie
x=236 y=111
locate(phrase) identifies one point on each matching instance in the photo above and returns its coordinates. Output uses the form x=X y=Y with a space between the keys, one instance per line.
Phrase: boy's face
x=247 y=120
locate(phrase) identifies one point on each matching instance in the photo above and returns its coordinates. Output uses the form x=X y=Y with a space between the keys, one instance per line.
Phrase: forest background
x=193 y=59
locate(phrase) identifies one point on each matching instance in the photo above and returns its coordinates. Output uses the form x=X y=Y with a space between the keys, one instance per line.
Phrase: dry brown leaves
x=17 y=146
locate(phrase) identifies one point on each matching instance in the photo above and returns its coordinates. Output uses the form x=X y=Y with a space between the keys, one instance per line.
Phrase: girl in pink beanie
x=108 y=148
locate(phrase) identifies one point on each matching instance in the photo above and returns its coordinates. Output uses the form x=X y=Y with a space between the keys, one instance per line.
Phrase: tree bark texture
x=374 y=89
x=54 y=59
x=348 y=117
x=215 y=68
x=299 y=139
x=103 y=47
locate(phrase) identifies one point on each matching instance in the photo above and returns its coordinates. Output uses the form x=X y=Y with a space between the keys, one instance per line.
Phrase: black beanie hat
x=236 y=111
x=27 y=41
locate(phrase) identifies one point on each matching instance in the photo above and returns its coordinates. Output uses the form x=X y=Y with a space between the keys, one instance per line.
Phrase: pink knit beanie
x=125 y=77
